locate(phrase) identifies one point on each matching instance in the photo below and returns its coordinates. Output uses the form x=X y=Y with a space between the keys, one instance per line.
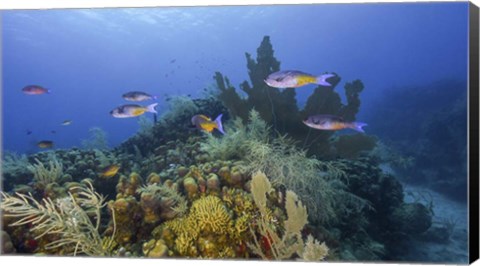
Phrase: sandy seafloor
x=453 y=251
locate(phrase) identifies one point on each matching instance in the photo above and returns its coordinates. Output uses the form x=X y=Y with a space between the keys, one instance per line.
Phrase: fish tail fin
x=151 y=108
x=154 y=97
x=322 y=79
x=218 y=122
x=49 y=90
x=358 y=126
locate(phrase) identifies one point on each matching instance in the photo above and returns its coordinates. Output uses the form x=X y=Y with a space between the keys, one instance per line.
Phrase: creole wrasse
x=35 y=90
x=204 y=122
x=109 y=171
x=132 y=110
x=331 y=122
x=295 y=79
x=138 y=96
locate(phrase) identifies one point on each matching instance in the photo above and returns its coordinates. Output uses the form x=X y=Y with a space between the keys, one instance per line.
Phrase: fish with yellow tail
x=204 y=122
x=332 y=122
x=295 y=79
x=109 y=171
x=132 y=110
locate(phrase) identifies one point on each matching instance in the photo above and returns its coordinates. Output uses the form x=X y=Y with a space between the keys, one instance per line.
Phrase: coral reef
x=161 y=202
x=66 y=218
x=125 y=210
x=270 y=188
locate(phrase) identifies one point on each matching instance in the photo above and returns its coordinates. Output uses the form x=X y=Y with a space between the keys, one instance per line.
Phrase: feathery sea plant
x=68 y=218
x=97 y=140
x=180 y=107
x=145 y=126
x=280 y=159
x=14 y=163
x=235 y=143
x=43 y=175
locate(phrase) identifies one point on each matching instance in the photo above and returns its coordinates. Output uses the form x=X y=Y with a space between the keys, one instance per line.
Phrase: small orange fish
x=44 y=144
x=110 y=171
x=205 y=123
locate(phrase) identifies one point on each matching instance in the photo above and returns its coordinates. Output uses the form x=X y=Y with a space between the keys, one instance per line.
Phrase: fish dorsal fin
x=296 y=72
x=205 y=117
x=335 y=117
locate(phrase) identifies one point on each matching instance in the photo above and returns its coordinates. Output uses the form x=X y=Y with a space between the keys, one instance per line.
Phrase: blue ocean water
x=89 y=57
x=411 y=58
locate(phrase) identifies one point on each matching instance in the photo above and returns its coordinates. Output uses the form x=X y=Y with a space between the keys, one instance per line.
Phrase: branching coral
x=210 y=230
x=68 y=218
x=211 y=215
x=270 y=244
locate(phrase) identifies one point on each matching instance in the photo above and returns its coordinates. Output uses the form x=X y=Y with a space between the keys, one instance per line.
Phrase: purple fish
x=331 y=122
x=138 y=96
x=35 y=90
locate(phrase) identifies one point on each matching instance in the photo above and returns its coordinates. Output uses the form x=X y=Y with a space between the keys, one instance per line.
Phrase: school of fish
x=279 y=79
